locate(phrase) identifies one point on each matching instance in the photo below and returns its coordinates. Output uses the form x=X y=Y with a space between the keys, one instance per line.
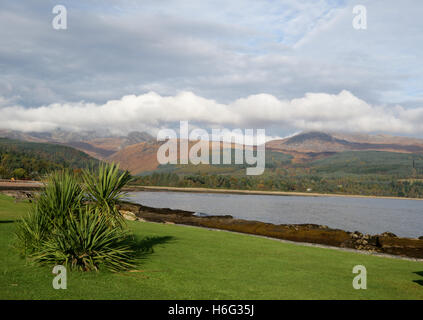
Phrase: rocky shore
x=386 y=242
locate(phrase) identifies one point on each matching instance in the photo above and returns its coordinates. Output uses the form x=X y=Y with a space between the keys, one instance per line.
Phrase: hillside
x=137 y=158
x=300 y=151
x=313 y=161
x=309 y=162
x=21 y=159
x=137 y=152
x=142 y=157
x=312 y=145
x=97 y=145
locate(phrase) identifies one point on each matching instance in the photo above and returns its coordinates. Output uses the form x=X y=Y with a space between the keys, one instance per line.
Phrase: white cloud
x=270 y=53
x=151 y=112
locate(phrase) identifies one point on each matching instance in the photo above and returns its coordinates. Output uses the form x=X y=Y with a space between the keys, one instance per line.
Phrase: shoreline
x=258 y=192
x=36 y=185
x=20 y=185
x=306 y=244
x=306 y=233
x=313 y=234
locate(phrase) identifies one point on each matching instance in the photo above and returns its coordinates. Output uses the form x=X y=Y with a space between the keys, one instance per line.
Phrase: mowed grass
x=193 y=263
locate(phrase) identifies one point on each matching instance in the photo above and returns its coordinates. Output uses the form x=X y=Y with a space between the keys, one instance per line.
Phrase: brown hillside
x=137 y=158
x=142 y=157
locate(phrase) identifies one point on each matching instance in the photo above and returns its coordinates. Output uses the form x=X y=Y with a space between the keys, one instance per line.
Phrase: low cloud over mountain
x=151 y=112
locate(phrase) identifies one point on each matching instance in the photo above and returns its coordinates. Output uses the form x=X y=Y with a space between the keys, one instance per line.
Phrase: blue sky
x=219 y=53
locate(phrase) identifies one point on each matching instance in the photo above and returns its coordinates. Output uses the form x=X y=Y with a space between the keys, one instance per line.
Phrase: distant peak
x=312 y=135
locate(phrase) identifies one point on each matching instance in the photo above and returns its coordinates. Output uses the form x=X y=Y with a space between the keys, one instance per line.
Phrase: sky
x=286 y=66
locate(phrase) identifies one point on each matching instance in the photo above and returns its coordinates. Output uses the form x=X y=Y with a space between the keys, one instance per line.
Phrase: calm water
x=402 y=217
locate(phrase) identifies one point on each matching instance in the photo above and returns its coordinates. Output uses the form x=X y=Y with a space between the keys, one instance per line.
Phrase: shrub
x=85 y=242
x=19 y=173
x=70 y=225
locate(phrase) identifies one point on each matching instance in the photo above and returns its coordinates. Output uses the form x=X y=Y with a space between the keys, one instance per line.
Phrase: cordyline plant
x=104 y=190
x=77 y=224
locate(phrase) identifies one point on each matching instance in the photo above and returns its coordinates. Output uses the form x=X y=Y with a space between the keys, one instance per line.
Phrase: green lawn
x=194 y=263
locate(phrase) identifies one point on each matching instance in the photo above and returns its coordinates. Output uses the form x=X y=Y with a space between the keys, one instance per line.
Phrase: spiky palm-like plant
x=60 y=196
x=104 y=189
x=85 y=242
x=31 y=230
x=74 y=225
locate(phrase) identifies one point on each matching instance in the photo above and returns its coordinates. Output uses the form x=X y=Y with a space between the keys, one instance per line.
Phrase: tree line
x=358 y=185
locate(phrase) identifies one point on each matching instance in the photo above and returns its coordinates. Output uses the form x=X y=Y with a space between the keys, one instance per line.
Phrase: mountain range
x=137 y=151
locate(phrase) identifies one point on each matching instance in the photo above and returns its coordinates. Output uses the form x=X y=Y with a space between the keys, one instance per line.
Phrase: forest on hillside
x=30 y=160
x=375 y=173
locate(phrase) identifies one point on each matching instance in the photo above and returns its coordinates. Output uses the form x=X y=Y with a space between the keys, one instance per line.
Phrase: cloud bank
x=151 y=112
